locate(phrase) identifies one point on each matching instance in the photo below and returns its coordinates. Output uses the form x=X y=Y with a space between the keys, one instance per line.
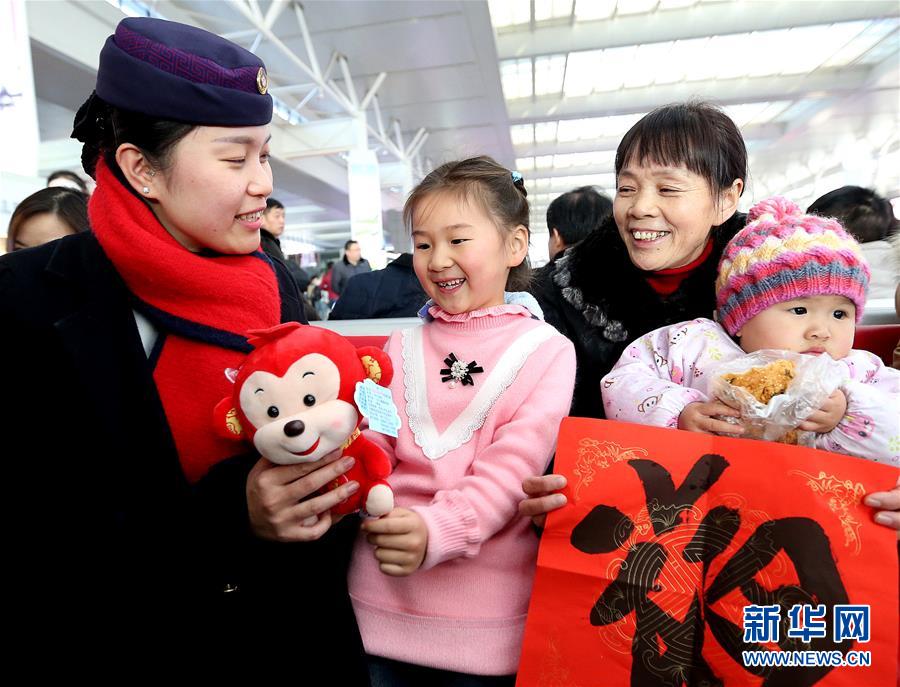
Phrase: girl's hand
x=400 y=539
x=828 y=416
x=889 y=502
x=275 y=496
x=542 y=499
x=701 y=417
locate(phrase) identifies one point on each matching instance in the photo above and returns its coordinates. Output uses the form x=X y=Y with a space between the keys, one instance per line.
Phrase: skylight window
x=524 y=164
x=516 y=78
x=615 y=126
x=509 y=12
x=675 y=4
x=551 y=9
x=596 y=127
x=522 y=134
x=598 y=159
x=553 y=186
x=544 y=132
x=635 y=6
x=580 y=71
x=548 y=74
x=864 y=41
x=755 y=113
x=732 y=56
x=647 y=60
x=590 y=10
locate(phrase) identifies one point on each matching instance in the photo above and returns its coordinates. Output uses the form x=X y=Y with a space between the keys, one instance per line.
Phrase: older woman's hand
x=542 y=499
x=275 y=496
x=889 y=503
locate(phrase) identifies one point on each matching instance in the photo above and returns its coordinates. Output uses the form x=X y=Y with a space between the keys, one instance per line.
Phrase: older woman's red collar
x=666 y=282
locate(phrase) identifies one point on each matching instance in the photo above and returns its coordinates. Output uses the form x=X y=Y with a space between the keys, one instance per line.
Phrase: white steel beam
x=367 y=98
x=417 y=143
x=398 y=135
x=254 y=8
x=312 y=70
x=292 y=89
x=307 y=41
x=331 y=62
x=239 y=35
x=309 y=96
x=378 y=120
x=274 y=11
x=348 y=81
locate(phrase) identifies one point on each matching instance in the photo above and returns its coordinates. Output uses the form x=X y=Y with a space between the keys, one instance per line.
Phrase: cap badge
x=262 y=81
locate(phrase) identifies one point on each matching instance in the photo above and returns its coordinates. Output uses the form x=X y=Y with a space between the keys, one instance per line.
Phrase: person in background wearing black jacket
x=570 y=218
x=394 y=291
x=143 y=530
x=351 y=264
x=270 y=241
x=870 y=218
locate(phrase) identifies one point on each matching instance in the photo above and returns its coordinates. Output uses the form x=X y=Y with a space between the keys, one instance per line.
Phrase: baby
x=787 y=281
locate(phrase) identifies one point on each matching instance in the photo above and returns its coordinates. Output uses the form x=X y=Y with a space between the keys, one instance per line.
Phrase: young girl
x=787 y=281
x=440 y=585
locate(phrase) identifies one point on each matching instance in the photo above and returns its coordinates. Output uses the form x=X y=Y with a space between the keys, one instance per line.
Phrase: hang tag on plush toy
x=377 y=405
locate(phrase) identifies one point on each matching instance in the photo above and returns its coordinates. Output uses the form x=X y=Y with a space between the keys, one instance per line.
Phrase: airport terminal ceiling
x=547 y=87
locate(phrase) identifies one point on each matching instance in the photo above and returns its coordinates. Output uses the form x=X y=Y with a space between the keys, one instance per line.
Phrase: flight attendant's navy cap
x=178 y=72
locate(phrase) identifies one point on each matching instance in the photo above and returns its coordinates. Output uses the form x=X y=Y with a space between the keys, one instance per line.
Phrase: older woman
x=680 y=172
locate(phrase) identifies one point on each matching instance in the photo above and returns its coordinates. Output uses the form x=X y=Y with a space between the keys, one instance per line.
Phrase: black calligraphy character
x=606 y=529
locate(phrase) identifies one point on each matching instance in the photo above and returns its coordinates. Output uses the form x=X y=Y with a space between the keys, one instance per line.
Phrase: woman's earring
x=146 y=189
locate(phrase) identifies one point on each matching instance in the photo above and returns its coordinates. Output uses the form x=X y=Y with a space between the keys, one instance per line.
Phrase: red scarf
x=201 y=307
x=666 y=282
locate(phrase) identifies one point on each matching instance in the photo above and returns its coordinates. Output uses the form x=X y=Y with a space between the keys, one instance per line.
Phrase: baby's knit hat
x=784 y=254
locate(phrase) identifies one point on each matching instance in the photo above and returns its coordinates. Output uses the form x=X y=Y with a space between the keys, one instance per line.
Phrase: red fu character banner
x=687 y=559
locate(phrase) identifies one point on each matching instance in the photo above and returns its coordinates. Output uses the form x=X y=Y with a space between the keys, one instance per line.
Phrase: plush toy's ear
x=225 y=420
x=377 y=363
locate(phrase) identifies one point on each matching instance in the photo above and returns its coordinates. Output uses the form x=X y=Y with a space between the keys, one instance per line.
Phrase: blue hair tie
x=516 y=177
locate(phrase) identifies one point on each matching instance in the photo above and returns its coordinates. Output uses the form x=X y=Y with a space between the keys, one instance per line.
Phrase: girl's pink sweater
x=459 y=463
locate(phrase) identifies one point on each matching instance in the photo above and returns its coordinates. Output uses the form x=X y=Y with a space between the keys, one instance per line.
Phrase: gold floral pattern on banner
x=842 y=494
x=594 y=454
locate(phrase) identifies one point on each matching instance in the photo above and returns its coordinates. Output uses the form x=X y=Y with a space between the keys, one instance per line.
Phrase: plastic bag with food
x=775 y=391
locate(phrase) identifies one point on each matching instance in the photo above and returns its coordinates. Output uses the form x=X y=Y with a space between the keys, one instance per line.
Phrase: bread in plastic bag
x=795 y=385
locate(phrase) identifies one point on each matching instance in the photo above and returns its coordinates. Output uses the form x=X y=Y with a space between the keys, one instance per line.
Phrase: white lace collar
x=472 y=417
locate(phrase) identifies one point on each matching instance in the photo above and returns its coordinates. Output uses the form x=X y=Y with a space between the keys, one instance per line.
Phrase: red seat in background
x=880 y=339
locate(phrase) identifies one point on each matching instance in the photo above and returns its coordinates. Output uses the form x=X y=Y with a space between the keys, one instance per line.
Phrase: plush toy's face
x=298 y=417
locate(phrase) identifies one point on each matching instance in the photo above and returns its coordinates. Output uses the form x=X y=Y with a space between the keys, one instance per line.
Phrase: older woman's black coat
x=106 y=540
x=597 y=298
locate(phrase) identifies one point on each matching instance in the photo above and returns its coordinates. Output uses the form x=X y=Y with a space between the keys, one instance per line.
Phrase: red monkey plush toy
x=293 y=398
